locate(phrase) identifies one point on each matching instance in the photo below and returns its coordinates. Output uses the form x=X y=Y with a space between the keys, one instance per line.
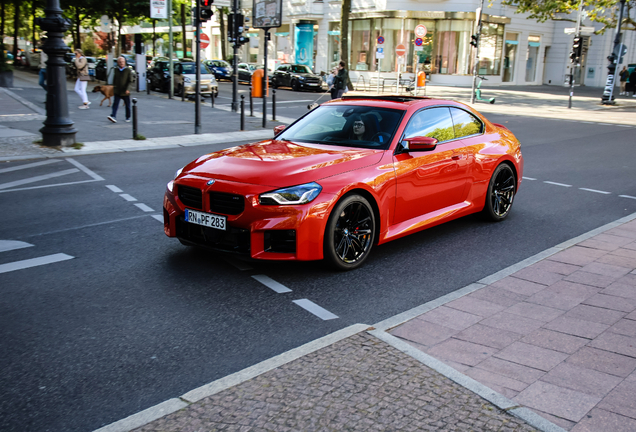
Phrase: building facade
x=514 y=50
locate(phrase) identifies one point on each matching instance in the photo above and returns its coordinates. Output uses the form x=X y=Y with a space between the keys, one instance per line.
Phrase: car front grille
x=235 y=240
x=312 y=80
x=191 y=197
x=225 y=203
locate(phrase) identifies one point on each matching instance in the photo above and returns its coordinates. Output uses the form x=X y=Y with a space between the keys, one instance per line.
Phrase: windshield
x=345 y=125
x=300 y=69
x=220 y=63
x=189 y=69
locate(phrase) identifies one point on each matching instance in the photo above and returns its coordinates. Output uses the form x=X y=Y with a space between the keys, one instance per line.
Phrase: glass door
x=510 y=57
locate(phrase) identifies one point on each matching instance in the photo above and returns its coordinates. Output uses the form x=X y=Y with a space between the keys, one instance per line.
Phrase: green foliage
x=139 y=137
x=90 y=48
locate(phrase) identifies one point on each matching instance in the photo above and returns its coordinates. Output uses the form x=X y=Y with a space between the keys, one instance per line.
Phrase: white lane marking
x=33 y=262
x=272 y=284
x=312 y=307
x=240 y=265
x=144 y=207
x=627 y=196
x=114 y=188
x=294 y=101
x=38 y=178
x=86 y=170
x=528 y=178
x=595 y=191
x=31 y=165
x=158 y=217
x=128 y=197
x=557 y=184
x=48 y=186
x=9 y=245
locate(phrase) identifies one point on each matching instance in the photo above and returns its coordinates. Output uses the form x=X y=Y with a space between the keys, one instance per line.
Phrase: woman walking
x=81 y=66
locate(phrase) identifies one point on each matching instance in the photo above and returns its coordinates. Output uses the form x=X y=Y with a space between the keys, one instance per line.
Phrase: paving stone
x=622 y=232
x=492 y=378
x=625 y=327
x=534 y=311
x=561 y=422
x=538 y=276
x=621 y=400
x=584 y=380
x=555 y=267
x=563 y=295
x=595 y=314
x=423 y=332
x=461 y=352
x=576 y=327
x=498 y=295
x=531 y=356
x=558 y=401
x=616 y=343
x=475 y=306
x=556 y=341
x=519 y=286
x=577 y=255
x=631 y=316
x=606 y=269
x=616 y=260
x=488 y=336
x=450 y=317
x=621 y=289
x=596 y=280
x=602 y=420
x=629 y=253
x=621 y=304
x=603 y=361
x=513 y=323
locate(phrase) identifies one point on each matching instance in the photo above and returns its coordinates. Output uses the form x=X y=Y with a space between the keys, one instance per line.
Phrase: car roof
x=394 y=101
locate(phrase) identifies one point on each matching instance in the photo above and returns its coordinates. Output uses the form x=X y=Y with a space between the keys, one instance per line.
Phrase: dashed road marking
x=128 y=197
x=9 y=245
x=31 y=165
x=595 y=191
x=528 y=178
x=144 y=207
x=272 y=284
x=158 y=217
x=34 y=262
x=557 y=184
x=114 y=188
x=312 y=307
x=86 y=170
x=627 y=196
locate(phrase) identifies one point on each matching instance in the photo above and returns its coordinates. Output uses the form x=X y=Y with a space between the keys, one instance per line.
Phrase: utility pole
x=170 y=43
x=197 y=64
x=577 y=52
x=235 y=47
x=475 y=43
x=265 y=47
x=614 y=57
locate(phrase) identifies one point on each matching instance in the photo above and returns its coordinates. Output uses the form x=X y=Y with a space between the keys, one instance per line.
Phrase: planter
x=6 y=79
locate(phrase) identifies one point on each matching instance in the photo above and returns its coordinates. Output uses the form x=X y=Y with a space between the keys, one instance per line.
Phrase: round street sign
x=205 y=40
x=400 y=50
x=420 y=31
x=418 y=42
x=380 y=40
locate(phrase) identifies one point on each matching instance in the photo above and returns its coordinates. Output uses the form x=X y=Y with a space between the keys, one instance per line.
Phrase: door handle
x=456 y=157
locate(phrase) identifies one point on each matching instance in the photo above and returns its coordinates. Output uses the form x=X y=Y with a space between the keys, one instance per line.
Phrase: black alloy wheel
x=501 y=193
x=350 y=233
x=295 y=86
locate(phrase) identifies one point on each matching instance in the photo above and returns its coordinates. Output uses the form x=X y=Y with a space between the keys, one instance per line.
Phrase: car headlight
x=301 y=78
x=301 y=194
x=186 y=79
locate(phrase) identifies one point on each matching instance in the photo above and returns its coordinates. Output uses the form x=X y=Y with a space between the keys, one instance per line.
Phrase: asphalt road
x=135 y=318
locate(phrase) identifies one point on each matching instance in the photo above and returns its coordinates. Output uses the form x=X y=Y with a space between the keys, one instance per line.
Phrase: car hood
x=281 y=163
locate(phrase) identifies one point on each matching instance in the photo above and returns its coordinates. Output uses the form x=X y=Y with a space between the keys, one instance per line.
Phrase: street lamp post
x=58 y=127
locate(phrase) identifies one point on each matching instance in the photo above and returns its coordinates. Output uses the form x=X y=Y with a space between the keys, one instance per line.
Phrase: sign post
x=379 y=55
x=400 y=50
x=266 y=14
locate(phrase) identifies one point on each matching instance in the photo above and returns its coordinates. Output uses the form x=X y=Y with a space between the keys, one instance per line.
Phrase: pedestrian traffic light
x=243 y=40
x=474 y=40
x=205 y=10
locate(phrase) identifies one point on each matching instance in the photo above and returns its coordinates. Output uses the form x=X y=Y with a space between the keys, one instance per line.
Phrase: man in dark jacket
x=121 y=88
x=340 y=82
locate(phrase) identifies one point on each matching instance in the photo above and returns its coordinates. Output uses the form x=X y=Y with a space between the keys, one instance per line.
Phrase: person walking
x=624 y=74
x=330 y=82
x=340 y=82
x=81 y=66
x=43 y=60
x=122 y=79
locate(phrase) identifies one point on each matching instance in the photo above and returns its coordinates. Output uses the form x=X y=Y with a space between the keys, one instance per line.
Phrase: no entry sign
x=205 y=40
x=400 y=50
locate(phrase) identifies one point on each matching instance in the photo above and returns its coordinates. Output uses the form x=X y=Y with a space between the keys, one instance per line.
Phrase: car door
x=470 y=130
x=429 y=181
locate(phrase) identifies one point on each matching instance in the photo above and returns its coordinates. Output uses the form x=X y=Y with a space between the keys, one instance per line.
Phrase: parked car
x=296 y=76
x=245 y=71
x=159 y=74
x=185 y=75
x=220 y=68
x=351 y=174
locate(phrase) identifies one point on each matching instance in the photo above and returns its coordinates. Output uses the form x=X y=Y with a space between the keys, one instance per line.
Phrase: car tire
x=501 y=193
x=273 y=84
x=295 y=86
x=350 y=233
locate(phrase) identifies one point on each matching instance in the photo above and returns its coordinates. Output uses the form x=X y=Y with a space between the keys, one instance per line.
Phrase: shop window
x=333 y=45
x=532 y=57
x=510 y=57
x=490 y=47
x=452 y=48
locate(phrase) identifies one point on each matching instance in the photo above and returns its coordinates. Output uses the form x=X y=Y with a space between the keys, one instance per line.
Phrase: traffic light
x=577 y=49
x=235 y=28
x=205 y=10
x=474 y=40
x=242 y=40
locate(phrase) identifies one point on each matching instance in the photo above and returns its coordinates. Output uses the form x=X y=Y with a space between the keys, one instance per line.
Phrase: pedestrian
x=632 y=82
x=330 y=82
x=340 y=82
x=624 y=74
x=122 y=79
x=81 y=66
x=43 y=60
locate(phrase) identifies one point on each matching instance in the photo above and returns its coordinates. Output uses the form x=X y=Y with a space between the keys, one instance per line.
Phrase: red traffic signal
x=205 y=10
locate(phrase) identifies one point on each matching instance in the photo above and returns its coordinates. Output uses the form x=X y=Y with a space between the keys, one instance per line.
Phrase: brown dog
x=106 y=90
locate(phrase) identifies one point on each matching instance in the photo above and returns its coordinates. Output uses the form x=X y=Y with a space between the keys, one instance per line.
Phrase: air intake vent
x=225 y=203
x=191 y=197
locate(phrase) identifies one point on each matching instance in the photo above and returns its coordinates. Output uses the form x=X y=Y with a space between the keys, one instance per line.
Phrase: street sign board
x=267 y=13
x=418 y=48
x=586 y=31
x=569 y=30
x=380 y=40
x=418 y=42
x=420 y=31
x=159 y=9
x=400 y=50
x=223 y=3
x=205 y=40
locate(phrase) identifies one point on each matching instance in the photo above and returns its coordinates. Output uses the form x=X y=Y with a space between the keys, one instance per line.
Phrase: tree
x=600 y=11
x=222 y=12
x=344 y=36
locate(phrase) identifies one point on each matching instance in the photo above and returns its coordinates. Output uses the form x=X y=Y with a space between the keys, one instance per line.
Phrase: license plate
x=91 y=72
x=206 y=219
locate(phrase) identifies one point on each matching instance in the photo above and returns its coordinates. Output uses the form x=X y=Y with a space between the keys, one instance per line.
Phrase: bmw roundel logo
x=211 y=182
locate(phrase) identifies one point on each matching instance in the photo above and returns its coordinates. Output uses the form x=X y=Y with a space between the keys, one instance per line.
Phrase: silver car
x=185 y=79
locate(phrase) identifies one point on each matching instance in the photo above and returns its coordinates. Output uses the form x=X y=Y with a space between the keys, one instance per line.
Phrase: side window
x=432 y=122
x=465 y=124
x=177 y=69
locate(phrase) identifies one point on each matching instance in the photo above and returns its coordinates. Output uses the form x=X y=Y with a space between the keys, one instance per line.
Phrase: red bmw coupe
x=350 y=174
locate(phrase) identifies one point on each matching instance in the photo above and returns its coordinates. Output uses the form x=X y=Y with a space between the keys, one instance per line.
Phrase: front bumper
x=205 y=89
x=266 y=232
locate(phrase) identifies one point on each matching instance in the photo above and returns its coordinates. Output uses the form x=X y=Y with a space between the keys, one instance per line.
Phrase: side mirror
x=421 y=143
x=278 y=129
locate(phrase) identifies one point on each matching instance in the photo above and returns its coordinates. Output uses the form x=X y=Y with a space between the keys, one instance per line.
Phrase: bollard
x=212 y=99
x=273 y=105
x=242 y=112
x=182 y=92
x=148 y=86
x=134 y=117
x=251 y=103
